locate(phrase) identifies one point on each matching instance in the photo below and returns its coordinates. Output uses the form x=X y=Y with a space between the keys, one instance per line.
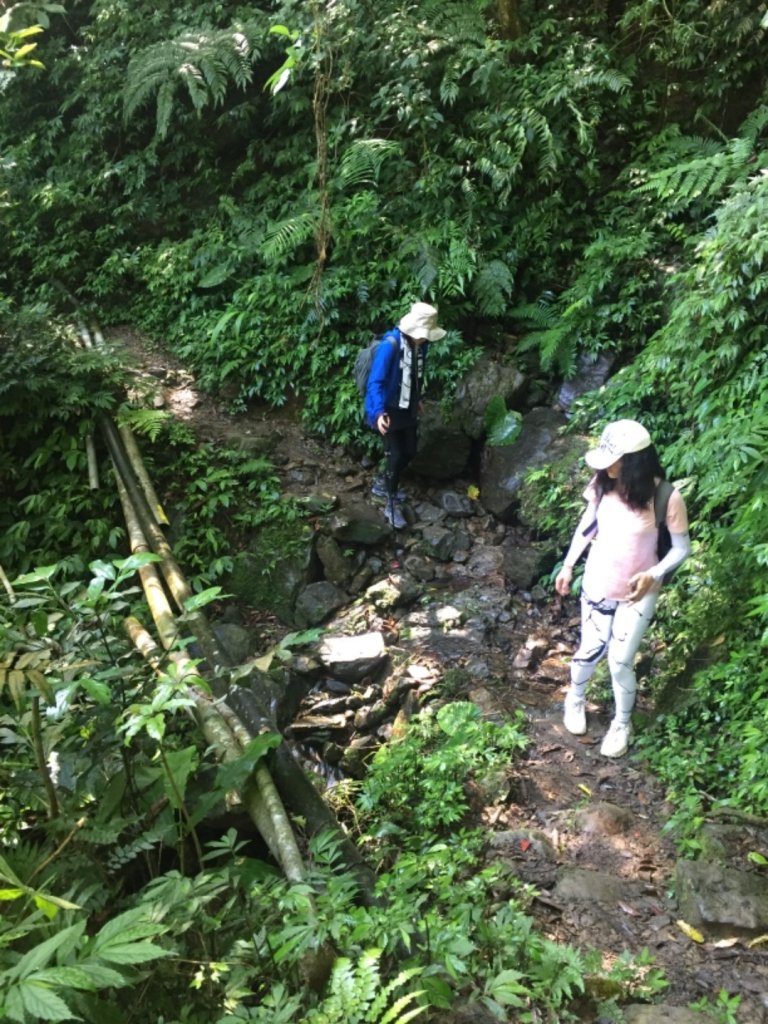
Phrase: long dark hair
x=636 y=482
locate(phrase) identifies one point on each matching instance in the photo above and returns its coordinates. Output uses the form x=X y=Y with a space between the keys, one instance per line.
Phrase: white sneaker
x=574 y=714
x=394 y=516
x=616 y=741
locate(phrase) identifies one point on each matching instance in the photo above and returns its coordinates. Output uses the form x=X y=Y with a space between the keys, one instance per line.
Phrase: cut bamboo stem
x=93 y=466
x=134 y=455
x=219 y=736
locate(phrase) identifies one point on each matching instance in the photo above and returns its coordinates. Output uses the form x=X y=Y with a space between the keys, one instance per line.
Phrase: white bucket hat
x=622 y=437
x=420 y=322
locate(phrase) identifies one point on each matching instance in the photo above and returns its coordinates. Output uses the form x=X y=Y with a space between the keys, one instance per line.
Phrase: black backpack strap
x=661 y=501
x=592 y=528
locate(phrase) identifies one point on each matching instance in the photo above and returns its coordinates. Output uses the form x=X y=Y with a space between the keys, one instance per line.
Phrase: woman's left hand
x=639 y=585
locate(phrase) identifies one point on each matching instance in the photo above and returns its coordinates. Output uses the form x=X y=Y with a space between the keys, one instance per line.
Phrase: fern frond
x=287 y=235
x=206 y=64
x=361 y=162
x=426 y=263
x=492 y=287
x=147 y=422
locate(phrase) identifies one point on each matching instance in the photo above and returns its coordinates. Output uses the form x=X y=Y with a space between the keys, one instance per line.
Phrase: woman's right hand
x=563 y=581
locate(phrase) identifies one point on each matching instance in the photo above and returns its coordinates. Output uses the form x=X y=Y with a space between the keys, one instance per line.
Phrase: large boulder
x=444 y=448
x=482 y=382
x=591 y=373
x=278 y=564
x=503 y=469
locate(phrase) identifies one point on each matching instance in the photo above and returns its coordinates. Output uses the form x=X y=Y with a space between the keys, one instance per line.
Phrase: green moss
x=277 y=565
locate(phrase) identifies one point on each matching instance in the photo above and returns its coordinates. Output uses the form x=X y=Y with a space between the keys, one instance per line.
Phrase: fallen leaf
x=628 y=910
x=689 y=930
x=757 y=942
x=525 y=844
x=585 y=789
x=726 y=943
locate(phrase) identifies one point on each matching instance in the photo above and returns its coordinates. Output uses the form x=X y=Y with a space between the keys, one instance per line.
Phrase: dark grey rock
x=339 y=568
x=503 y=468
x=486 y=379
x=457 y=505
x=353 y=658
x=591 y=373
x=444 y=448
x=663 y=1013
x=718 y=898
x=318 y=602
x=437 y=542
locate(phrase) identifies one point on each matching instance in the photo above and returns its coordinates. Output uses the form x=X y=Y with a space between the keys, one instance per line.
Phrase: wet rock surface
x=452 y=606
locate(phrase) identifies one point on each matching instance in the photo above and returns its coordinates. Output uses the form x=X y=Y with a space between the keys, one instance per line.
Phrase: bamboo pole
x=93 y=466
x=268 y=815
x=134 y=455
x=7 y=585
x=154 y=537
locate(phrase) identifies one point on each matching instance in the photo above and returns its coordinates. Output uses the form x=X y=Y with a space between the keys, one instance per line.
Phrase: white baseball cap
x=622 y=437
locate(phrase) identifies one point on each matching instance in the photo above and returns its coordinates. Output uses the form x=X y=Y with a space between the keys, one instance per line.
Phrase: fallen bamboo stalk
x=177 y=585
x=93 y=466
x=137 y=462
x=267 y=814
x=260 y=797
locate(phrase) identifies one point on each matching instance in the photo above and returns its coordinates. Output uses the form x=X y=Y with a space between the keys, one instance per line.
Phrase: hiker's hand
x=639 y=585
x=382 y=423
x=563 y=580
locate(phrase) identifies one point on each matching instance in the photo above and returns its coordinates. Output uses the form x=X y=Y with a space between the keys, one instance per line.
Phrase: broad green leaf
x=40 y=955
x=181 y=763
x=133 y=952
x=44 y=572
x=192 y=604
x=43 y=1004
x=502 y=426
x=11 y=894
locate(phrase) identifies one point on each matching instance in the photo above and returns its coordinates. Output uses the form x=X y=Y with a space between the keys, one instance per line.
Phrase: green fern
x=493 y=287
x=150 y=423
x=711 y=167
x=357 y=996
x=205 y=63
x=362 y=161
x=287 y=235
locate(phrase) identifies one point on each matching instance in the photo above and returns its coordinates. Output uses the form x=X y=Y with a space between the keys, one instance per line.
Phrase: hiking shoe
x=394 y=516
x=616 y=742
x=574 y=714
x=379 y=490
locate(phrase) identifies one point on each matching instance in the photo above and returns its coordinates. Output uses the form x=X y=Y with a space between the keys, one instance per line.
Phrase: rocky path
x=587 y=832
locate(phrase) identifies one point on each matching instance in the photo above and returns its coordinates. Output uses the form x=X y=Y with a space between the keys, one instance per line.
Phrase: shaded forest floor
x=587 y=832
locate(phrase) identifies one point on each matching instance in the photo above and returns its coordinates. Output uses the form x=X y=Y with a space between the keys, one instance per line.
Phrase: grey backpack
x=364 y=362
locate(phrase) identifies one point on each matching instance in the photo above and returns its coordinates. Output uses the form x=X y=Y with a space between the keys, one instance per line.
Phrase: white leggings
x=615 y=627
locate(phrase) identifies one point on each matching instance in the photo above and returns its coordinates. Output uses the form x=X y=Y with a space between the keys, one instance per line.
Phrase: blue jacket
x=384 y=380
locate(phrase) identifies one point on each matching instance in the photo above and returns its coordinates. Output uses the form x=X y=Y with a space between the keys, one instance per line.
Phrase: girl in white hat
x=623 y=574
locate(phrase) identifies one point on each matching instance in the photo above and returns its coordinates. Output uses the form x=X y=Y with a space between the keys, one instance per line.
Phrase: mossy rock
x=278 y=564
x=552 y=496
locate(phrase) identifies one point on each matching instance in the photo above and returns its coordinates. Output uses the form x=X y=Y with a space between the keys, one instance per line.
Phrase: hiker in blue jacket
x=393 y=399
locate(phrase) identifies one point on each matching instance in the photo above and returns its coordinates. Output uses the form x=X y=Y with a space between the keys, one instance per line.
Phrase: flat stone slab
x=351 y=658
x=662 y=1013
x=593 y=886
x=718 y=897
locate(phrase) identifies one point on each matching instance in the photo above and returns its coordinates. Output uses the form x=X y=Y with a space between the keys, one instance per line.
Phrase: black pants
x=400 y=445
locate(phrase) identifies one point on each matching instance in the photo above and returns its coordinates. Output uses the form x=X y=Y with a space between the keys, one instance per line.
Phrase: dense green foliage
x=263 y=187
x=105 y=828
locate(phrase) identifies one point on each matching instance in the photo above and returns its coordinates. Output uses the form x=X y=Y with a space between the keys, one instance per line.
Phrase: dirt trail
x=587 y=832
